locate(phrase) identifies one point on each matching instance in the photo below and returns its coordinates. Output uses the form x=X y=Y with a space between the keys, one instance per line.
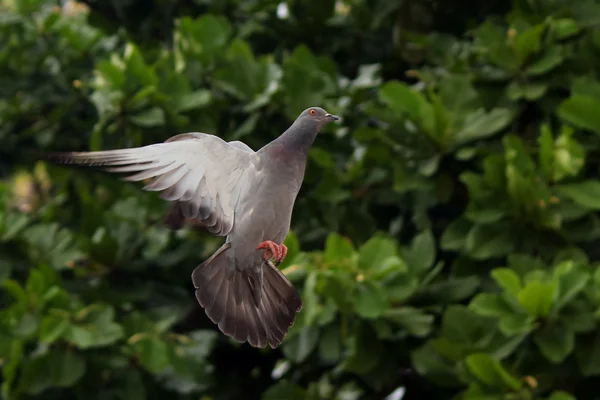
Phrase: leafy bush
x=444 y=241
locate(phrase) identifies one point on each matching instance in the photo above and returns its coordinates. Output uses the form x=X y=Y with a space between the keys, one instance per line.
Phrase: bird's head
x=317 y=115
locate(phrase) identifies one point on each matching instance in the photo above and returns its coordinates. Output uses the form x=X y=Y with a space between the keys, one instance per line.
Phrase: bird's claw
x=273 y=251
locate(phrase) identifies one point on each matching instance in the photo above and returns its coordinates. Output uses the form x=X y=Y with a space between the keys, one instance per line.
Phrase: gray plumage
x=231 y=191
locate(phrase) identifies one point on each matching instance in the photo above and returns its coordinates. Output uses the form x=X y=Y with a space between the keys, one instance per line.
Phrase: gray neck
x=299 y=137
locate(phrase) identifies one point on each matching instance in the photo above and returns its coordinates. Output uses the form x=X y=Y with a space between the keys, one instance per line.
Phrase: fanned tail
x=240 y=308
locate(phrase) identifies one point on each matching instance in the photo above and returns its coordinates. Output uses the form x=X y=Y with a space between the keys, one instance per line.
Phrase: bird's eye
x=313 y=112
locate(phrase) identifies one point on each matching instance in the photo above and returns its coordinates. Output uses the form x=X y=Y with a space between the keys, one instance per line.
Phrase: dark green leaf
x=415 y=321
x=585 y=193
x=298 y=347
x=489 y=241
x=555 y=341
x=582 y=111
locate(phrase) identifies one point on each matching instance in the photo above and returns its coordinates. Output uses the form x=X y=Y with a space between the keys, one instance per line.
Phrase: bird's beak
x=332 y=117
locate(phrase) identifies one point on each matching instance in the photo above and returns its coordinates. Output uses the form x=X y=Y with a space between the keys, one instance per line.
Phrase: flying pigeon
x=231 y=191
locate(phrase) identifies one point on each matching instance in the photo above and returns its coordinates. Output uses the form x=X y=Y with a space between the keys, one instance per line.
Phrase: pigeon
x=233 y=191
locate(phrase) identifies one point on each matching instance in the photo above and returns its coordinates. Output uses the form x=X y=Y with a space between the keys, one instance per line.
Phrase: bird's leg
x=282 y=253
x=271 y=249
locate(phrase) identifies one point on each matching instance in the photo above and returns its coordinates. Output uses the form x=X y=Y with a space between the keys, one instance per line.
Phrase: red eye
x=313 y=112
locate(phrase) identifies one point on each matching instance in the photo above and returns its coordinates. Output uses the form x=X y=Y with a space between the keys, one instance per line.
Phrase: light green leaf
x=400 y=98
x=337 y=248
x=310 y=297
x=193 y=101
x=375 y=251
x=507 y=279
x=560 y=395
x=481 y=124
x=153 y=353
x=150 y=118
x=52 y=328
x=490 y=372
x=564 y=28
x=370 y=300
x=537 y=298
x=490 y=305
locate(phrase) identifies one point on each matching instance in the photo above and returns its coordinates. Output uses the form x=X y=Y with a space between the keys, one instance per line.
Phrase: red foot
x=273 y=250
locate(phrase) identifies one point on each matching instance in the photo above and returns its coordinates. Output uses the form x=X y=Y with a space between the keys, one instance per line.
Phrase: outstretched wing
x=202 y=172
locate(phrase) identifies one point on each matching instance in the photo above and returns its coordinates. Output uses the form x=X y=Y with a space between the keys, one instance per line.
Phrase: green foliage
x=444 y=241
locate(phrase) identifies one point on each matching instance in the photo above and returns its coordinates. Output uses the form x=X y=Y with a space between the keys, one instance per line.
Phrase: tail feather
x=230 y=301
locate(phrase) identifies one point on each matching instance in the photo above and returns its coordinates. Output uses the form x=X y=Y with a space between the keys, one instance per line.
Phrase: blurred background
x=444 y=241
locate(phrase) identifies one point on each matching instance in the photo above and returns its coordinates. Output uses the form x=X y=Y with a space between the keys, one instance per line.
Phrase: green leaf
x=454 y=237
x=490 y=372
x=537 y=298
x=427 y=362
x=516 y=324
x=481 y=124
x=364 y=352
x=310 y=308
x=588 y=354
x=152 y=352
x=52 y=328
x=581 y=111
x=330 y=345
x=375 y=251
x=564 y=28
x=298 y=347
x=400 y=98
x=489 y=241
x=337 y=248
x=370 y=300
x=150 y=118
x=528 y=42
x=551 y=58
x=54 y=369
x=490 y=305
x=284 y=390
x=461 y=325
x=585 y=193
x=451 y=290
x=421 y=254
x=560 y=395
x=570 y=285
x=415 y=321
x=95 y=328
x=507 y=279
x=555 y=341
x=193 y=101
